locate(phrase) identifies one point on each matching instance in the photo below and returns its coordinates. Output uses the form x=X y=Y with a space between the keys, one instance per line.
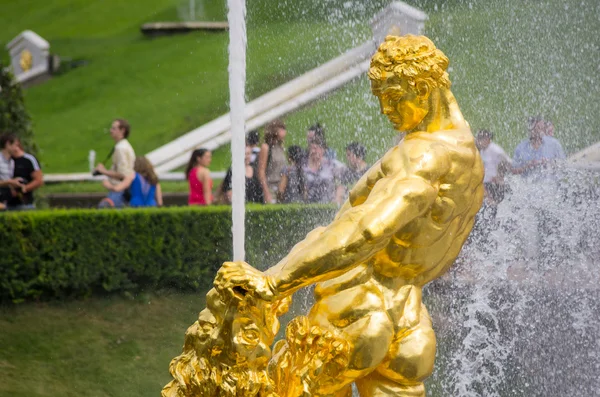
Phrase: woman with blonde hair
x=143 y=185
x=272 y=160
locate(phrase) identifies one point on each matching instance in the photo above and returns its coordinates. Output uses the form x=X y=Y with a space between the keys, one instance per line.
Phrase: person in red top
x=198 y=176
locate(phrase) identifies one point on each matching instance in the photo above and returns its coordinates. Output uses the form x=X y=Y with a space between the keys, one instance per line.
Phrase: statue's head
x=227 y=350
x=403 y=73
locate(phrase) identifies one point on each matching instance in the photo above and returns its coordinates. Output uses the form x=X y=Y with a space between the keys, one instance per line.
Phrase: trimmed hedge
x=56 y=254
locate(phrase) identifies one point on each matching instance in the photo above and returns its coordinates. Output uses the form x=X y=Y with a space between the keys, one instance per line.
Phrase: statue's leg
x=345 y=392
x=377 y=385
x=409 y=361
x=357 y=315
x=345 y=336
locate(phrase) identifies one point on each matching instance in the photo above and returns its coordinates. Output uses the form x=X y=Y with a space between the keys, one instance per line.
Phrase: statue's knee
x=410 y=359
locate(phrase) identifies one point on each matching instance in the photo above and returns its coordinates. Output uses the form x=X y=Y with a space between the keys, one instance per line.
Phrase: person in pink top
x=198 y=176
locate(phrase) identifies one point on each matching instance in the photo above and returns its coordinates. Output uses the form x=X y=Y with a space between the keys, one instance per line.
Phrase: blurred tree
x=13 y=115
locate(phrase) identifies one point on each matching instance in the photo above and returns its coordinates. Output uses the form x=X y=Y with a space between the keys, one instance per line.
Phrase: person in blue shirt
x=549 y=134
x=538 y=152
x=143 y=185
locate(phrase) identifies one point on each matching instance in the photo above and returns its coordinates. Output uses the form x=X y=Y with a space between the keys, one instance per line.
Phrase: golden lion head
x=227 y=350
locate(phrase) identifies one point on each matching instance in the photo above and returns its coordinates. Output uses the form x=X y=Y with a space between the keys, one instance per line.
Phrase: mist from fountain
x=517 y=314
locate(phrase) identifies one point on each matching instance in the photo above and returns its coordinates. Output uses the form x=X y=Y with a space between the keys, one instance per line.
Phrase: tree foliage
x=13 y=114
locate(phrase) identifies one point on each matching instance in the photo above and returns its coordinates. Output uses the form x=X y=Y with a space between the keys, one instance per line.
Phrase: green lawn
x=509 y=60
x=164 y=86
x=101 y=346
x=94 y=348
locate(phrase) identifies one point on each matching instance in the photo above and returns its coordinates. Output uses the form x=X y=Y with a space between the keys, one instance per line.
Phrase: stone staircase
x=397 y=18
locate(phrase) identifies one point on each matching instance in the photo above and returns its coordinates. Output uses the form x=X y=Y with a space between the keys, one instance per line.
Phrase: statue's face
x=403 y=106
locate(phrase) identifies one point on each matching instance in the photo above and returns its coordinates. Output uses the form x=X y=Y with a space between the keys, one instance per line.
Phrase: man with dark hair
x=253 y=141
x=353 y=171
x=316 y=132
x=355 y=156
x=26 y=174
x=321 y=175
x=123 y=158
x=536 y=155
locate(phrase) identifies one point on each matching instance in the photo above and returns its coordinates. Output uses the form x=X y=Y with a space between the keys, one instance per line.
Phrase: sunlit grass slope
x=164 y=86
x=509 y=60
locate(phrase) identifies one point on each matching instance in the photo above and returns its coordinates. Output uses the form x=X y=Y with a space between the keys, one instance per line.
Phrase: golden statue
x=403 y=225
x=26 y=60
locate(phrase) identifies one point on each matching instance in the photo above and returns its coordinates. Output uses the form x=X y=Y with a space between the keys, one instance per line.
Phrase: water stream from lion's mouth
x=518 y=314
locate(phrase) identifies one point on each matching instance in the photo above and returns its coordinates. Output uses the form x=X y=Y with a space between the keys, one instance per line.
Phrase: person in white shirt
x=7 y=167
x=123 y=159
x=495 y=163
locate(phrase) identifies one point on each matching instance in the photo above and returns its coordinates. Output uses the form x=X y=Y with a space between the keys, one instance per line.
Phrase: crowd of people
x=130 y=180
x=297 y=175
x=273 y=174
x=535 y=158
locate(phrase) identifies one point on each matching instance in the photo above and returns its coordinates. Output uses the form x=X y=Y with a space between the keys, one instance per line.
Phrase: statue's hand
x=239 y=279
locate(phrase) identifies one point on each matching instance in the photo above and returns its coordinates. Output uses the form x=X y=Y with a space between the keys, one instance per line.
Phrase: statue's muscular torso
x=381 y=297
x=422 y=250
x=403 y=225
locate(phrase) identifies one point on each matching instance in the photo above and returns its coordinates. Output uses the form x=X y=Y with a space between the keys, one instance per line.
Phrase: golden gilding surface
x=25 y=60
x=403 y=225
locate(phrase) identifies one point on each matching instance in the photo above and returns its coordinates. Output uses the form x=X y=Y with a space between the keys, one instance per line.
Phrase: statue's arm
x=354 y=236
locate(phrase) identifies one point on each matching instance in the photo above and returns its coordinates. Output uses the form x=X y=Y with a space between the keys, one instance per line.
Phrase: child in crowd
x=253 y=140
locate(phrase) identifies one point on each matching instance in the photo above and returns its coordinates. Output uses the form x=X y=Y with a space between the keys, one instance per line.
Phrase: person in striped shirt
x=27 y=171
